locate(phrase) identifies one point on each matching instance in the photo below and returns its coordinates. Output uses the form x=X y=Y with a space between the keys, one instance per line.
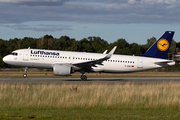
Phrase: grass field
x=127 y=101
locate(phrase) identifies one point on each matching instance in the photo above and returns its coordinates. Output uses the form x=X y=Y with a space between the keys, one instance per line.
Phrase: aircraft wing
x=97 y=61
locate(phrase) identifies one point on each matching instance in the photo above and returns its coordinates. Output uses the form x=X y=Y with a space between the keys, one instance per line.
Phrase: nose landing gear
x=25 y=74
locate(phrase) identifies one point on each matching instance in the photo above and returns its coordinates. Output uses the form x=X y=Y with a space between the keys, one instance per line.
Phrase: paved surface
x=121 y=80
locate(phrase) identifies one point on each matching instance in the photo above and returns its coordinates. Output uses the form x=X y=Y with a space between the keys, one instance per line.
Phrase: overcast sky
x=133 y=20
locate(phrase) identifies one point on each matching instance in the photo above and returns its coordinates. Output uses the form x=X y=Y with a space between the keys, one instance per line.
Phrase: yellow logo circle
x=163 y=44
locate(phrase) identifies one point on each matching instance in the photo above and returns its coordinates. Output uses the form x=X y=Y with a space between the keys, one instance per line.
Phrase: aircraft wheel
x=83 y=77
x=24 y=75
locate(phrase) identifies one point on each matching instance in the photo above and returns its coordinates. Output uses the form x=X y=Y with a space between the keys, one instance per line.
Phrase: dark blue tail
x=161 y=47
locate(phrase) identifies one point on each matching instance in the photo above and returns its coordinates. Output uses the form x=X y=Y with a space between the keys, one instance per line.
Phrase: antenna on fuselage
x=28 y=47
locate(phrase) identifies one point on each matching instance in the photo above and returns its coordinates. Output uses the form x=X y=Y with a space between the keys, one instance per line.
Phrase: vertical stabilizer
x=161 y=47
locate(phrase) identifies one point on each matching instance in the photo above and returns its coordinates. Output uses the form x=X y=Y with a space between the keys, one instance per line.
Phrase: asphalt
x=120 y=80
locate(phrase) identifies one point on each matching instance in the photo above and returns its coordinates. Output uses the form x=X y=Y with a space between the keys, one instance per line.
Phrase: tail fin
x=161 y=47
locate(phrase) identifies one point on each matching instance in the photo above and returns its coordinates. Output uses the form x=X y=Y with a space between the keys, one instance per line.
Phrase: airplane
x=64 y=63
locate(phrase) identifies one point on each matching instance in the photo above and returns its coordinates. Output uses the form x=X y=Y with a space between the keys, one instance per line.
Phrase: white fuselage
x=116 y=64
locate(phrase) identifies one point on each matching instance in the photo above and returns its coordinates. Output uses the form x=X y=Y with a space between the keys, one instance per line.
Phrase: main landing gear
x=25 y=74
x=83 y=76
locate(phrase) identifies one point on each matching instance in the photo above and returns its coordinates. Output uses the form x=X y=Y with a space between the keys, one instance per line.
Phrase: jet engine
x=62 y=70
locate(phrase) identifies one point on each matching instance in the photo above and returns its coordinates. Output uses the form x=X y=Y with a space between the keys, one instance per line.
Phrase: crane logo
x=163 y=45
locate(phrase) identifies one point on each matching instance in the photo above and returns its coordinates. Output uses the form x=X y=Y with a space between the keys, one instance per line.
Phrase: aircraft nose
x=5 y=59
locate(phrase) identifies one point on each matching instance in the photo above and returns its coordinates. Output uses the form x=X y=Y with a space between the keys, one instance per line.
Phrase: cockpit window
x=13 y=53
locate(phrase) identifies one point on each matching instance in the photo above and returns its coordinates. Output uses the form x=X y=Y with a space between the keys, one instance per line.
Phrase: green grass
x=91 y=114
x=90 y=102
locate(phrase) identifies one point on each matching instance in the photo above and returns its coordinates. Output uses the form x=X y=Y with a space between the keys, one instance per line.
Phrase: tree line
x=65 y=43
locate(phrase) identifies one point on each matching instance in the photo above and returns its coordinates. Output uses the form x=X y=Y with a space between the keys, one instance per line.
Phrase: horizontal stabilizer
x=162 y=62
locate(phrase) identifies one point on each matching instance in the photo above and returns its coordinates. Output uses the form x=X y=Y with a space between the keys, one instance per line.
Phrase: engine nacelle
x=62 y=70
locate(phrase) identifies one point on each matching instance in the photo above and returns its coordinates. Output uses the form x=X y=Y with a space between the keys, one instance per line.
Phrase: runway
x=119 y=80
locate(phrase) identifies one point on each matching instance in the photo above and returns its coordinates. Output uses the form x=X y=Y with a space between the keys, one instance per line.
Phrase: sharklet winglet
x=105 y=52
x=111 y=53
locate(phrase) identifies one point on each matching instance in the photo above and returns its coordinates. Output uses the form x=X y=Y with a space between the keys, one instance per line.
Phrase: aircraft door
x=140 y=63
x=26 y=55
